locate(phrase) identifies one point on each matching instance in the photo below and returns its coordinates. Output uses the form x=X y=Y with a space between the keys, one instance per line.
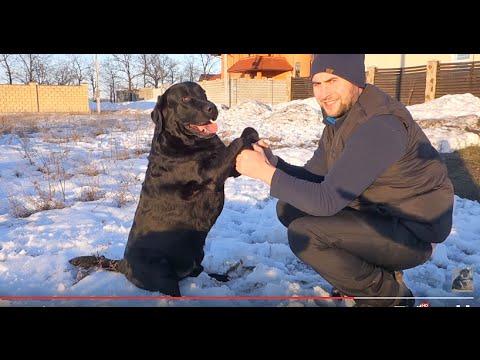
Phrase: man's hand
x=272 y=159
x=263 y=143
x=254 y=163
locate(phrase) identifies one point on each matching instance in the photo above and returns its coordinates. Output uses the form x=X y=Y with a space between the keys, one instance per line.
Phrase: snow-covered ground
x=298 y=123
x=448 y=106
x=89 y=170
x=132 y=106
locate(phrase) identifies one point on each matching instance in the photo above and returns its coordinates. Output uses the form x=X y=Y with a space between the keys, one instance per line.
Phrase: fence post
x=371 y=75
x=34 y=83
x=431 y=81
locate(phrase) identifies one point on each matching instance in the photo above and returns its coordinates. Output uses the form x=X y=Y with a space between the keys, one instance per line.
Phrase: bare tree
x=34 y=67
x=173 y=71
x=27 y=64
x=90 y=75
x=62 y=73
x=127 y=68
x=110 y=77
x=158 y=67
x=191 y=70
x=43 y=70
x=144 y=60
x=207 y=62
x=7 y=61
x=79 y=67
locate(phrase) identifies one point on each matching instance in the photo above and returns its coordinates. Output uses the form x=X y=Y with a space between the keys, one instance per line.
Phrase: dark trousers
x=357 y=252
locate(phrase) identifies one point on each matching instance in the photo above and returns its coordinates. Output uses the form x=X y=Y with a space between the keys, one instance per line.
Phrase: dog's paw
x=85 y=261
x=81 y=274
x=250 y=135
x=220 y=277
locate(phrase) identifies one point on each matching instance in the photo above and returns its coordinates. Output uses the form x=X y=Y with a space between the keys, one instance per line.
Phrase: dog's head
x=184 y=111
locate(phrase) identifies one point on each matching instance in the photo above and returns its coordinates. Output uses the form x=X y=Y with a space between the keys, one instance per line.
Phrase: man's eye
x=186 y=98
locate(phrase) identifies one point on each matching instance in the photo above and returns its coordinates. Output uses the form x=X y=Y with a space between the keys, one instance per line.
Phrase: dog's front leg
x=224 y=165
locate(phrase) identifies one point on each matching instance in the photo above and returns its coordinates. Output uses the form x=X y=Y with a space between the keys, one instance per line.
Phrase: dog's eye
x=186 y=98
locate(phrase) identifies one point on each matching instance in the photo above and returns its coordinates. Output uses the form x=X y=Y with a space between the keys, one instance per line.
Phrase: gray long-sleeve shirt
x=371 y=150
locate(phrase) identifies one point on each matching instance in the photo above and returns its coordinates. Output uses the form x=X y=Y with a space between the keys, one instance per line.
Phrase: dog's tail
x=88 y=262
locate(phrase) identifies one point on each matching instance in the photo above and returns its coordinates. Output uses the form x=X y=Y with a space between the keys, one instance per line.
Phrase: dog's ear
x=156 y=114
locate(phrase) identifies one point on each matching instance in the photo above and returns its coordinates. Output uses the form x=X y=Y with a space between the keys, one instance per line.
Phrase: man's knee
x=302 y=235
x=282 y=212
x=423 y=254
x=287 y=213
x=297 y=240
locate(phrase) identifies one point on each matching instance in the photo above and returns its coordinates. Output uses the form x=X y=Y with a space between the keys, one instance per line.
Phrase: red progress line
x=40 y=298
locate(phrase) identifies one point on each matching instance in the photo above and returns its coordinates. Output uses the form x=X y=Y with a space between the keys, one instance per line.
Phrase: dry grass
x=6 y=126
x=124 y=195
x=464 y=171
x=20 y=125
x=92 y=169
x=18 y=209
x=45 y=198
x=27 y=150
x=91 y=193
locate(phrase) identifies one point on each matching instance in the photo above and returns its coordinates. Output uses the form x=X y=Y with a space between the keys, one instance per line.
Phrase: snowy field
x=69 y=186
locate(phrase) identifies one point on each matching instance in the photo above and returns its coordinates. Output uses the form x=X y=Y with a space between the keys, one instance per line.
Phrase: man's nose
x=323 y=92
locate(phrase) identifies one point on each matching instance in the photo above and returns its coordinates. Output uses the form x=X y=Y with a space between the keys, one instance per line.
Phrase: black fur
x=181 y=197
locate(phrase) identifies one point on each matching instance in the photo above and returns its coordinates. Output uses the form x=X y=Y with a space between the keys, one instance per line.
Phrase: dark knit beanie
x=350 y=67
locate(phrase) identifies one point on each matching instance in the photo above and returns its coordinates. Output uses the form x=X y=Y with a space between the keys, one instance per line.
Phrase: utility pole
x=97 y=88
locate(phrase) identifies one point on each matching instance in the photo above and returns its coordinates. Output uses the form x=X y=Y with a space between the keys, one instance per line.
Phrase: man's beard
x=344 y=108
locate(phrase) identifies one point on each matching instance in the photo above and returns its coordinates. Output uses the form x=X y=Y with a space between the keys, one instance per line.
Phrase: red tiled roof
x=209 y=77
x=261 y=63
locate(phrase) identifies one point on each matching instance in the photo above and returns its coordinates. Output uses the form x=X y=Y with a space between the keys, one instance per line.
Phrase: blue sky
x=179 y=57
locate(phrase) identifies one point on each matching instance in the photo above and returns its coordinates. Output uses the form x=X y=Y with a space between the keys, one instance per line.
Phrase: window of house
x=297 y=69
x=462 y=56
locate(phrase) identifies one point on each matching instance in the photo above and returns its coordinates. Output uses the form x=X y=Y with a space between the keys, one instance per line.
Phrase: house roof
x=261 y=63
x=209 y=77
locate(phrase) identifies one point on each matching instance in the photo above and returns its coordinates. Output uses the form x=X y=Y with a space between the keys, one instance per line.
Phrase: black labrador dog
x=182 y=195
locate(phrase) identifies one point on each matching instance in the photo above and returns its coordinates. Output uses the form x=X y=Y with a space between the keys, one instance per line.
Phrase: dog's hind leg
x=88 y=262
x=152 y=274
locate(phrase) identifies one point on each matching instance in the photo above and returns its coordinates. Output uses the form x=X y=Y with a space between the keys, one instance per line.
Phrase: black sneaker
x=404 y=292
x=336 y=293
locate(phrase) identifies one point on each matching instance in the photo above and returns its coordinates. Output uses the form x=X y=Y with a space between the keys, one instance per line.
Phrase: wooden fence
x=413 y=85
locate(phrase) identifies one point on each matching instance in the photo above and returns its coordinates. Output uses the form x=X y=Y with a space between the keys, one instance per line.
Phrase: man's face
x=334 y=94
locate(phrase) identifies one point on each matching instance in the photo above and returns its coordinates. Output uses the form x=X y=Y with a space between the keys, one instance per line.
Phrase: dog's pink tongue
x=211 y=128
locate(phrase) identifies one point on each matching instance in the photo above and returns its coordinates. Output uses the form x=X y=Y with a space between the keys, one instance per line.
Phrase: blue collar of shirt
x=333 y=121
x=329 y=120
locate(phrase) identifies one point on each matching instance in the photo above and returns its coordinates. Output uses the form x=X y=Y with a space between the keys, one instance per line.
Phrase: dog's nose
x=208 y=108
